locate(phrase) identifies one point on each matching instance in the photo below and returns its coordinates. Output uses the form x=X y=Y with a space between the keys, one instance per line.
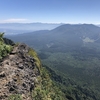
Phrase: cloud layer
x=13 y=20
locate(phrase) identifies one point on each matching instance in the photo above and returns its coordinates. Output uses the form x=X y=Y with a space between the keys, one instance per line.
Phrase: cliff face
x=22 y=77
x=18 y=73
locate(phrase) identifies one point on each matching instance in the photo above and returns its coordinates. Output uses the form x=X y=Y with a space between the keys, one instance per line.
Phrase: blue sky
x=50 y=11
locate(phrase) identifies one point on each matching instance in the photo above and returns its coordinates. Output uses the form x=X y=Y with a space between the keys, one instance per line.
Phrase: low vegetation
x=4 y=48
x=15 y=97
x=45 y=88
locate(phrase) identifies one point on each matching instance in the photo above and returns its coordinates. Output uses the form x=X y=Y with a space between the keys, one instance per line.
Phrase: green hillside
x=72 y=51
x=48 y=84
x=43 y=88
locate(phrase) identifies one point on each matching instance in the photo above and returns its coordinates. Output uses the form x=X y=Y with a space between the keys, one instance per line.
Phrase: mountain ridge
x=74 y=35
x=19 y=28
x=23 y=77
x=73 y=52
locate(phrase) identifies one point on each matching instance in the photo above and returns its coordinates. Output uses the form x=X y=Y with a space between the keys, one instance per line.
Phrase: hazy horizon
x=44 y=23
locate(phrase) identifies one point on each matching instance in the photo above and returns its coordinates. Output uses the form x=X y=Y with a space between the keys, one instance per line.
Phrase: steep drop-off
x=23 y=77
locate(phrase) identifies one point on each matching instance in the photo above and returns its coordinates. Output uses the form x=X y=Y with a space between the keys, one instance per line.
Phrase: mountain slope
x=19 y=28
x=23 y=77
x=71 y=50
x=64 y=36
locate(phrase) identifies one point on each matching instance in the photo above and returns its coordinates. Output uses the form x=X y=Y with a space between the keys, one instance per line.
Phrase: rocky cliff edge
x=18 y=73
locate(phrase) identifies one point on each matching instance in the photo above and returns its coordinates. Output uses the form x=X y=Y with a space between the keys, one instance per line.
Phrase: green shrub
x=4 y=48
x=35 y=56
x=15 y=97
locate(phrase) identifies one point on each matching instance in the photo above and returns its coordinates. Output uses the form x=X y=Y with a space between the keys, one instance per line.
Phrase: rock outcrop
x=18 y=73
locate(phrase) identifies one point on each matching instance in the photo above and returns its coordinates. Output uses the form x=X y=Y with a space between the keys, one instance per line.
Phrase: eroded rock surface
x=18 y=73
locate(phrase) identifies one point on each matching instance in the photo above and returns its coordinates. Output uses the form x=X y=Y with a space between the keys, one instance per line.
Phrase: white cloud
x=13 y=20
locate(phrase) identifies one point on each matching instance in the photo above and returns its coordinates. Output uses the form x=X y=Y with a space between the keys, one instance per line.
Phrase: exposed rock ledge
x=18 y=73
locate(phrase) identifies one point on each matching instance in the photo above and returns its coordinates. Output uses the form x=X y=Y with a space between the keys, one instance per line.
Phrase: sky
x=50 y=11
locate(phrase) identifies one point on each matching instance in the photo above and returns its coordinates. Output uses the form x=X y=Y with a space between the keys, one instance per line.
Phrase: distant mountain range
x=17 y=28
x=63 y=36
x=73 y=51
